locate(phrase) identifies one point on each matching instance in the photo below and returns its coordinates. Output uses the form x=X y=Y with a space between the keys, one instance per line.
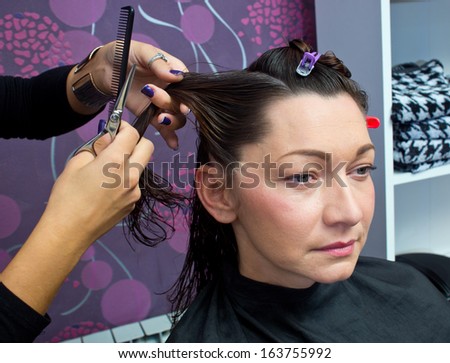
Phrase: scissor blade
x=123 y=94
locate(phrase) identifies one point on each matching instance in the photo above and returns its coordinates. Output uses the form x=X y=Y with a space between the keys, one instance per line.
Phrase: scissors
x=114 y=120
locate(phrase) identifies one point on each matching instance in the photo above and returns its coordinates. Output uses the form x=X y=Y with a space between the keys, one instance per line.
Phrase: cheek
x=279 y=211
x=260 y=201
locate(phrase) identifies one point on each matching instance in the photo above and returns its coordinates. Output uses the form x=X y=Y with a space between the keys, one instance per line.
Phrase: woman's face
x=304 y=197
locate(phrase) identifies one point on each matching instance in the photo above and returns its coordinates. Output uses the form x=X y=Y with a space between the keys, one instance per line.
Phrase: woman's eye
x=365 y=170
x=303 y=179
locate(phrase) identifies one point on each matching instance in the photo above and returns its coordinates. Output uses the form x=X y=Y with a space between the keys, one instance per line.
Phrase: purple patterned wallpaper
x=116 y=282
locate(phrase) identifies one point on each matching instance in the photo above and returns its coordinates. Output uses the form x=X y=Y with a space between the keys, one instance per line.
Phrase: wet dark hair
x=230 y=109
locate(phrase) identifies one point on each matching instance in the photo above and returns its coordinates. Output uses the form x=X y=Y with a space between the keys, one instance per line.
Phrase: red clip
x=372 y=122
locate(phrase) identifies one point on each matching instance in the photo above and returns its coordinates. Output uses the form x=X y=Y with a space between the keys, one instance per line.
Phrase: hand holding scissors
x=114 y=120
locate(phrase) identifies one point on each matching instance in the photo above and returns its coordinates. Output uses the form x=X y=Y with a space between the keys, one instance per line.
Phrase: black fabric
x=435 y=267
x=421 y=151
x=420 y=116
x=382 y=301
x=436 y=129
x=421 y=94
x=18 y=322
x=417 y=168
x=37 y=107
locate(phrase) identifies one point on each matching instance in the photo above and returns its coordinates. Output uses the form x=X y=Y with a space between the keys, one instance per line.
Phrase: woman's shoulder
x=385 y=269
x=394 y=274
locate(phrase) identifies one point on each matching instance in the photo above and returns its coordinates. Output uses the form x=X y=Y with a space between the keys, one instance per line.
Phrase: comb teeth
x=121 y=51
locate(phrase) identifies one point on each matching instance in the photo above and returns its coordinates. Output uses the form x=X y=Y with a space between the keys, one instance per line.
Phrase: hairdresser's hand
x=158 y=73
x=88 y=199
x=97 y=192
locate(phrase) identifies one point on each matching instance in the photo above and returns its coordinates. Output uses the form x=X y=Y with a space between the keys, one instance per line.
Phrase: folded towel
x=417 y=168
x=420 y=94
x=438 y=128
x=421 y=151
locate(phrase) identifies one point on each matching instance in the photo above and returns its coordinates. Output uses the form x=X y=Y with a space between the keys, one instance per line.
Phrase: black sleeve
x=19 y=323
x=37 y=107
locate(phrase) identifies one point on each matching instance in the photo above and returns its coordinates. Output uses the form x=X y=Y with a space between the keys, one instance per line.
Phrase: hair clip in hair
x=307 y=63
x=372 y=122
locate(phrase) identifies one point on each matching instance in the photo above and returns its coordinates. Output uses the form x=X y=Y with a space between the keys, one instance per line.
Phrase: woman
x=281 y=211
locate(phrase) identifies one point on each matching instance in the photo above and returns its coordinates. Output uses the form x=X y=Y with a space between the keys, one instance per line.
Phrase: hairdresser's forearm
x=38 y=270
x=38 y=108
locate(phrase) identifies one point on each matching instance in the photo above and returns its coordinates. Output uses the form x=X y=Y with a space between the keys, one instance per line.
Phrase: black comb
x=121 y=51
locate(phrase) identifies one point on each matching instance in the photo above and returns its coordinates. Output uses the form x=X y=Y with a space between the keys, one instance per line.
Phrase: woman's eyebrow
x=365 y=148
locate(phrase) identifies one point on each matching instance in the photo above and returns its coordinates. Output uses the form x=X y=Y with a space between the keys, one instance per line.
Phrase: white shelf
x=422 y=216
x=419 y=32
x=404 y=178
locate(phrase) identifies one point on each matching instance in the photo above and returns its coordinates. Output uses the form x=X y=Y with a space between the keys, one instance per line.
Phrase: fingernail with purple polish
x=165 y=121
x=176 y=72
x=101 y=125
x=148 y=91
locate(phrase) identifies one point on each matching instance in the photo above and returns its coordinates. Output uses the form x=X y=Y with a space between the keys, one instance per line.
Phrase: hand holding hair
x=158 y=71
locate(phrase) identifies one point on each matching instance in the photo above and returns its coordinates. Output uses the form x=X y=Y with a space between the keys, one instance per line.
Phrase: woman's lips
x=339 y=249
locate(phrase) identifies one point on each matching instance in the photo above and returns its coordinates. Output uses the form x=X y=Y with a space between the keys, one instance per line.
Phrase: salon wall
x=117 y=282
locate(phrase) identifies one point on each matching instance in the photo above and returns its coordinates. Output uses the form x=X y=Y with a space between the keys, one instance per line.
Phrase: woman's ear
x=211 y=184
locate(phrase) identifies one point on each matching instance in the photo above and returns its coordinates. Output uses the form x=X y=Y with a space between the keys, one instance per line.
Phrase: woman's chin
x=336 y=273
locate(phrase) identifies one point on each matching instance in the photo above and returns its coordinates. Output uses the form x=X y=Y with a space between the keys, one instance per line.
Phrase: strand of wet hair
x=152 y=220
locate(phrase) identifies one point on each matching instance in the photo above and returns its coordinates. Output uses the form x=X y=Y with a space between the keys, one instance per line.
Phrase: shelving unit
x=404 y=178
x=412 y=210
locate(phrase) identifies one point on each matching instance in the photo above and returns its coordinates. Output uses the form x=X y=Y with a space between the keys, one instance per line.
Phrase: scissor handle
x=89 y=145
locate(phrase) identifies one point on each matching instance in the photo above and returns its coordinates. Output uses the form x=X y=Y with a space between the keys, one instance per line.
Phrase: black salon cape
x=382 y=301
x=35 y=108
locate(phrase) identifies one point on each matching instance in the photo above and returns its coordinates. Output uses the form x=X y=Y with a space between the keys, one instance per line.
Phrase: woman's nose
x=342 y=205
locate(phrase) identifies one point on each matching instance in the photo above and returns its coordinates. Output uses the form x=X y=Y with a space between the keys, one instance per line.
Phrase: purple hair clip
x=307 y=63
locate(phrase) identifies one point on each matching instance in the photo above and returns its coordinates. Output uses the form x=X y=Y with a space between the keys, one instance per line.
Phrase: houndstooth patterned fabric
x=421 y=151
x=421 y=94
x=420 y=116
x=438 y=128
x=417 y=168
